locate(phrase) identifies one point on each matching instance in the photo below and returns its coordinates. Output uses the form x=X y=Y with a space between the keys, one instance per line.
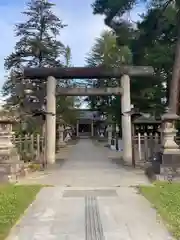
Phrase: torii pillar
x=126 y=119
x=50 y=148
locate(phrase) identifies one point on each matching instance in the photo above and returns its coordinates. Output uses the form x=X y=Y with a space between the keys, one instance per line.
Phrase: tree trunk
x=174 y=84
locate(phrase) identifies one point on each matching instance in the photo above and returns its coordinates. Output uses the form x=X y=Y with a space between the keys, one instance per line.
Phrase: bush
x=34 y=167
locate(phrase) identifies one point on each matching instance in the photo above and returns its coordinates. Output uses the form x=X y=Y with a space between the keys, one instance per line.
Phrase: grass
x=165 y=197
x=14 y=199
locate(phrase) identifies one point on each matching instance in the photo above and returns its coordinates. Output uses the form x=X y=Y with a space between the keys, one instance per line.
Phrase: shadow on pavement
x=122 y=164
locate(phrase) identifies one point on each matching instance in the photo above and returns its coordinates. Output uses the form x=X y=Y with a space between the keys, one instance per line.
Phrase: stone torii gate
x=51 y=74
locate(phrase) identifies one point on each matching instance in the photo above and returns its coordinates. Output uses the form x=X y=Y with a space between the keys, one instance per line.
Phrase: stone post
x=61 y=142
x=51 y=120
x=109 y=130
x=10 y=164
x=126 y=119
x=68 y=134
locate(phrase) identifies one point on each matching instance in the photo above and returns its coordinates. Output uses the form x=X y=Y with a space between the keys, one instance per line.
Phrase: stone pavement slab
x=93 y=199
x=125 y=216
x=89 y=165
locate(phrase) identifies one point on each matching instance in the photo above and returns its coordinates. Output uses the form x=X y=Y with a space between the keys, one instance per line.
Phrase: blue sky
x=83 y=27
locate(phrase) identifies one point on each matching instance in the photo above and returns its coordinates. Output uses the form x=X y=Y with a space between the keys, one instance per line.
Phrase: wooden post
x=26 y=145
x=77 y=128
x=156 y=142
x=151 y=145
x=139 y=146
x=19 y=139
x=32 y=145
x=145 y=146
x=92 y=128
x=133 y=146
x=38 y=145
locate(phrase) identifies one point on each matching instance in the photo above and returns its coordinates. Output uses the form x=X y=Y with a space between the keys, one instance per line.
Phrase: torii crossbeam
x=86 y=72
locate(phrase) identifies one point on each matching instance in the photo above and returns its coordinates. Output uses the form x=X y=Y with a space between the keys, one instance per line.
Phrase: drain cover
x=93 y=225
x=92 y=193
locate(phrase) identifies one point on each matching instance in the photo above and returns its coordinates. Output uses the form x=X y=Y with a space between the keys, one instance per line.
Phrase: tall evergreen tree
x=106 y=52
x=37 y=43
x=65 y=104
x=114 y=10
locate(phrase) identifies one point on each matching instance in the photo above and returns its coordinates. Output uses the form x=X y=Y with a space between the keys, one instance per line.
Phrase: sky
x=82 y=30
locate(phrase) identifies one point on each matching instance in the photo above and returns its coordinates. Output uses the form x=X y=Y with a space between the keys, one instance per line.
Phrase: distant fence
x=145 y=145
x=29 y=147
x=32 y=147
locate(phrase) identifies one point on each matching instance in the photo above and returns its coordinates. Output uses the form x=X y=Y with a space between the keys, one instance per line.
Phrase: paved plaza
x=93 y=198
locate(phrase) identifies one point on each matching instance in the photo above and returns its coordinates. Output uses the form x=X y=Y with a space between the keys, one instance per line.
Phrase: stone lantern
x=101 y=130
x=68 y=134
x=61 y=129
x=10 y=164
x=109 y=130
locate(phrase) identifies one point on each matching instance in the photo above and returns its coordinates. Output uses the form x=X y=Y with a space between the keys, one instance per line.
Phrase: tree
x=37 y=43
x=106 y=52
x=37 y=46
x=114 y=10
x=66 y=104
x=158 y=49
x=146 y=93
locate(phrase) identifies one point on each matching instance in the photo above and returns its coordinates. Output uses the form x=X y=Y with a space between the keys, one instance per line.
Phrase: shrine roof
x=147 y=119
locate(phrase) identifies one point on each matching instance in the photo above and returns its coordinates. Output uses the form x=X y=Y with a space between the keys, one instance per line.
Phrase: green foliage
x=26 y=156
x=65 y=108
x=113 y=11
x=37 y=46
x=107 y=53
x=37 y=43
x=152 y=43
x=113 y=8
x=155 y=47
x=13 y=202
x=35 y=167
x=66 y=104
x=165 y=197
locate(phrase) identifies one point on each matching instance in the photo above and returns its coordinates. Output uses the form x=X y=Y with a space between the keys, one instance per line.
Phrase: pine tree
x=106 y=52
x=113 y=10
x=37 y=45
x=65 y=104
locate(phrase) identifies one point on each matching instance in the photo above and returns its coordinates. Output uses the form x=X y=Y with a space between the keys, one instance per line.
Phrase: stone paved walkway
x=93 y=199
